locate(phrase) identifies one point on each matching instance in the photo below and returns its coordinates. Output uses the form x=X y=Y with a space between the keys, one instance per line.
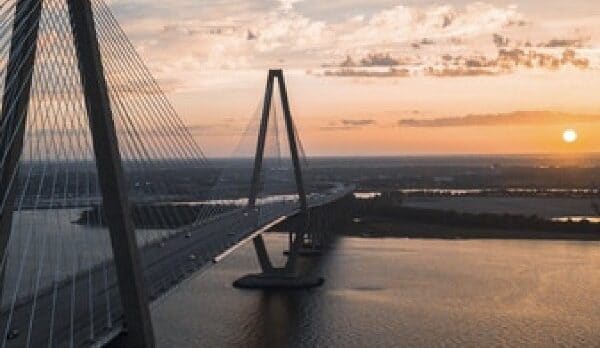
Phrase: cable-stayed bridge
x=107 y=202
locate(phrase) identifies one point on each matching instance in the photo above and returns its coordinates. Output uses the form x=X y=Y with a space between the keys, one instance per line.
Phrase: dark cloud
x=456 y=41
x=348 y=124
x=348 y=63
x=346 y=72
x=372 y=60
x=447 y=20
x=570 y=57
x=500 y=41
x=379 y=59
x=459 y=71
x=507 y=60
x=564 y=43
x=204 y=29
x=423 y=42
x=358 y=122
x=503 y=42
x=517 y=23
x=513 y=118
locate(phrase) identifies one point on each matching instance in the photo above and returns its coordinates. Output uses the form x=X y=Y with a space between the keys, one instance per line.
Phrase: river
x=399 y=292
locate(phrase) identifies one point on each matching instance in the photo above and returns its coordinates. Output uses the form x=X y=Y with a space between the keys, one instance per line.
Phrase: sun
x=570 y=136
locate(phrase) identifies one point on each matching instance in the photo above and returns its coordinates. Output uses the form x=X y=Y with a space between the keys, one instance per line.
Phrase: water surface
x=400 y=292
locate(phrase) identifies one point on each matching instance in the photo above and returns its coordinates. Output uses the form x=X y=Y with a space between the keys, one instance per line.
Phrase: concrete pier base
x=276 y=281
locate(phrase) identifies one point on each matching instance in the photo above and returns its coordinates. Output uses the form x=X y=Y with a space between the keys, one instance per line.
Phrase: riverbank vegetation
x=385 y=216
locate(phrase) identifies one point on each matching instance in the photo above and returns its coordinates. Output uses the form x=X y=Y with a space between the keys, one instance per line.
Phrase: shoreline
x=385 y=227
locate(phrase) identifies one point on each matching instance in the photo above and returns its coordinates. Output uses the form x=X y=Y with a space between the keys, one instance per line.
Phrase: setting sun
x=569 y=136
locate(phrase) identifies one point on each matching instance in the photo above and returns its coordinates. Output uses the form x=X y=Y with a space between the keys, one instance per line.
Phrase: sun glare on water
x=569 y=136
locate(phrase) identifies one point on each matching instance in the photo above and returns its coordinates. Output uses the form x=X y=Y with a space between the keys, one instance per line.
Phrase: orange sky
x=362 y=118
x=357 y=72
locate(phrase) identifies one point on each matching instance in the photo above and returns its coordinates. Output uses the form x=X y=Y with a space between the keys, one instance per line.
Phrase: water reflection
x=283 y=318
x=278 y=316
x=400 y=292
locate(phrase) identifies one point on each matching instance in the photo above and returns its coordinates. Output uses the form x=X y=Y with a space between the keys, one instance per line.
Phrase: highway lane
x=82 y=317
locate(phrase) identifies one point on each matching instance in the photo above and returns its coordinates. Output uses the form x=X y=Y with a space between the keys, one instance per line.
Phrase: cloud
x=424 y=42
x=336 y=128
x=288 y=5
x=372 y=59
x=507 y=60
x=379 y=59
x=503 y=119
x=373 y=42
x=358 y=122
x=500 y=41
x=564 y=43
x=256 y=35
x=460 y=72
x=579 y=41
x=348 y=124
x=345 y=72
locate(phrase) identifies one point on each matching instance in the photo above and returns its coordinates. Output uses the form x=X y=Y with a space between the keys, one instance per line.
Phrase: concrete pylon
x=272 y=277
x=128 y=264
x=108 y=161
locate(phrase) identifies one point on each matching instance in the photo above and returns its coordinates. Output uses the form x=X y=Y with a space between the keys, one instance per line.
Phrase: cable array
x=59 y=285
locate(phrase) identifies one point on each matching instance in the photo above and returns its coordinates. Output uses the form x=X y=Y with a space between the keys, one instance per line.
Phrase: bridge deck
x=166 y=264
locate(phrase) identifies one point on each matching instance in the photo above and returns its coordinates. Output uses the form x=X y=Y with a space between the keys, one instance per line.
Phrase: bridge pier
x=287 y=277
x=323 y=222
x=263 y=255
x=278 y=279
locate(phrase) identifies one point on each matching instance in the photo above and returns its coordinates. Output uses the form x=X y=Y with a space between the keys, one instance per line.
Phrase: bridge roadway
x=166 y=264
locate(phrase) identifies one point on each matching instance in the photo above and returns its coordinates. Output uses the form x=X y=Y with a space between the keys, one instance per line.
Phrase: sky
x=381 y=77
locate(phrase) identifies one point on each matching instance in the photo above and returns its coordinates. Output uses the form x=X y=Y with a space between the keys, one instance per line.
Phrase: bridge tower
x=287 y=276
x=106 y=149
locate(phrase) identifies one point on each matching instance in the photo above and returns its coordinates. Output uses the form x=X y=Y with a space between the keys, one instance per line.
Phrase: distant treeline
x=378 y=178
x=156 y=216
x=505 y=192
x=390 y=206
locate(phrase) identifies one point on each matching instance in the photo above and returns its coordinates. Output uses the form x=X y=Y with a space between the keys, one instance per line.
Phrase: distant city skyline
x=381 y=77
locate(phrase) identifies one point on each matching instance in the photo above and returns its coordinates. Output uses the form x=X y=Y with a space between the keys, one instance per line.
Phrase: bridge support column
x=15 y=102
x=263 y=255
x=317 y=236
x=110 y=172
x=287 y=276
